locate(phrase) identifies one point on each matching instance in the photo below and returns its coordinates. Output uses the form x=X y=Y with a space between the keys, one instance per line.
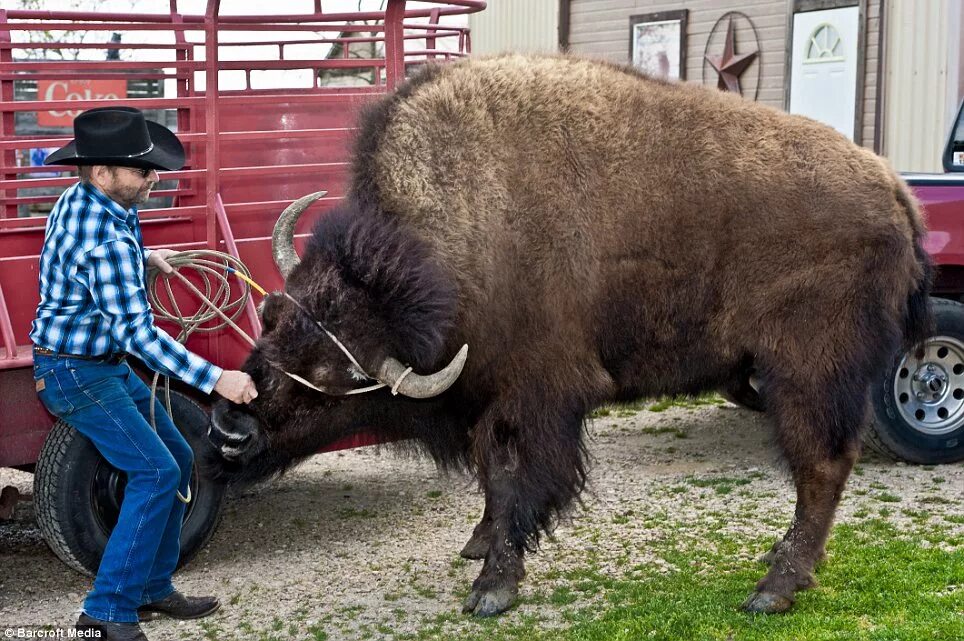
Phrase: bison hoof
x=476 y=548
x=767 y=603
x=487 y=604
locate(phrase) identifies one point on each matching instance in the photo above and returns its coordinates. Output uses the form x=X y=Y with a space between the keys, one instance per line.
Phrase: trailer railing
x=252 y=147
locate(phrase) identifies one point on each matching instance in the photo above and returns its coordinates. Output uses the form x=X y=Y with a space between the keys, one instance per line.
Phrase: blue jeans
x=110 y=405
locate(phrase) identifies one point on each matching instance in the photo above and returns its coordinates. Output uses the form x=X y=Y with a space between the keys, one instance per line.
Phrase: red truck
x=918 y=403
x=252 y=149
x=264 y=105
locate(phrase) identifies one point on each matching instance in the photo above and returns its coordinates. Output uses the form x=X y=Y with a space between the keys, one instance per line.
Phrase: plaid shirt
x=92 y=294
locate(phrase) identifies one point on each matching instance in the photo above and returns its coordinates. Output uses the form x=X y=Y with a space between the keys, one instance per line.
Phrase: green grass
x=622 y=410
x=720 y=484
x=880 y=583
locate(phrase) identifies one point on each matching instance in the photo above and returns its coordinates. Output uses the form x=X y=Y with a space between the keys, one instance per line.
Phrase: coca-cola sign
x=74 y=90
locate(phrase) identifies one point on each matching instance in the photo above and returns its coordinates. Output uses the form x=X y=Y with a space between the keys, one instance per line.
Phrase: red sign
x=74 y=90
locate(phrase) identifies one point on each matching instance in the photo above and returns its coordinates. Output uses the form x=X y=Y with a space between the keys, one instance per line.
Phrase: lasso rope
x=212 y=269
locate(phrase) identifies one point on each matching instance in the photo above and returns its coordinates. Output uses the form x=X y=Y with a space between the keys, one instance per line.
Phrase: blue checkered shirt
x=92 y=294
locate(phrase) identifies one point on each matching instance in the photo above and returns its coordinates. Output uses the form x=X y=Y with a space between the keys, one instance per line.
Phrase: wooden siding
x=601 y=28
x=516 y=25
x=922 y=53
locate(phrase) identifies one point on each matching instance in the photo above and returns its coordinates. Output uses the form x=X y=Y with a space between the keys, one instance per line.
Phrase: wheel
x=77 y=494
x=919 y=403
x=744 y=390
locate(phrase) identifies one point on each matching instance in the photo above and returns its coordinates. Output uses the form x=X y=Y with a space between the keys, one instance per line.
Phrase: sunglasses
x=143 y=173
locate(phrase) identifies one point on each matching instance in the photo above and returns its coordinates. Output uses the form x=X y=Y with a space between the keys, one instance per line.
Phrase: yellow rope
x=212 y=270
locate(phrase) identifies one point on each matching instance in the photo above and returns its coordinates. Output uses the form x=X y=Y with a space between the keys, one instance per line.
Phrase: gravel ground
x=365 y=543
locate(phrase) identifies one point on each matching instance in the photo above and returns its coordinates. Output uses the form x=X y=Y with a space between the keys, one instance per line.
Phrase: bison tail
x=917 y=318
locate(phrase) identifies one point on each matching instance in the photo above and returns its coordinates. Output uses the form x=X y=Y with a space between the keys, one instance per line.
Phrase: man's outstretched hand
x=236 y=386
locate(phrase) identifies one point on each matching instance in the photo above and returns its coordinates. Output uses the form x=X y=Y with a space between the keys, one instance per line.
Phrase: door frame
x=805 y=6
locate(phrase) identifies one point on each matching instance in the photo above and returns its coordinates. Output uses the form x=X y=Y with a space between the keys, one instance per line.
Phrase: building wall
x=516 y=25
x=601 y=28
x=871 y=74
x=922 y=83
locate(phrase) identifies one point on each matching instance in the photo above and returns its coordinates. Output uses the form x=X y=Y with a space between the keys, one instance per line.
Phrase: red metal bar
x=268 y=26
x=280 y=170
x=172 y=103
x=440 y=32
x=451 y=7
x=7 y=123
x=100 y=76
x=212 y=147
x=183 y=53
x=140 y=103
x=84 y=45
x=84 y=69
x=232 y=247
x=394 y=44
x=230 y=136
x=32 y=200
x=92 y=26
x=6 y=328
x=431 y=35
x=28 y=183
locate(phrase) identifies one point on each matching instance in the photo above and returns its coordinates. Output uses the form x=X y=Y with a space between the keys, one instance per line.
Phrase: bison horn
x=283 y=237
x=414 y=385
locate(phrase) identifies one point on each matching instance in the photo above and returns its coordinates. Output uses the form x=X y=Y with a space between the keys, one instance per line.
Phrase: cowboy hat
x=120 y=136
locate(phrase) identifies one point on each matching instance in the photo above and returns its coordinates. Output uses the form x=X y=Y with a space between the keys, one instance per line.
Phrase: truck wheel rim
x=107 y=493
x=929 y=386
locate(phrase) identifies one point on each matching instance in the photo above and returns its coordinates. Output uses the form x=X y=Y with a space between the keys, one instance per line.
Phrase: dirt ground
x=365 y=544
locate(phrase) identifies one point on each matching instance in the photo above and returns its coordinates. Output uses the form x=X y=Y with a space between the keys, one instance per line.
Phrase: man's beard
x=127 y=197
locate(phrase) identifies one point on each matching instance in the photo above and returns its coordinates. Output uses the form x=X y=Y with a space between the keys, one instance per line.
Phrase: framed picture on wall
x=657 y=44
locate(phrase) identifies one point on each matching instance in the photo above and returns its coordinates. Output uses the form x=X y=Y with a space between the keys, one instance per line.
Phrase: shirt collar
x=112 y=208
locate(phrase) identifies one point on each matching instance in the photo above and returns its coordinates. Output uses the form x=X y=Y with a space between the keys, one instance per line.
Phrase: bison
x=592 y=235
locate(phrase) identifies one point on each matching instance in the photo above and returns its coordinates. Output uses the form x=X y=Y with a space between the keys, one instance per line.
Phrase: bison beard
x=593 y=235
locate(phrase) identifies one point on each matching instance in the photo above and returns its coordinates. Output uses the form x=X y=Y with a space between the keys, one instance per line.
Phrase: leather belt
x=111 y=359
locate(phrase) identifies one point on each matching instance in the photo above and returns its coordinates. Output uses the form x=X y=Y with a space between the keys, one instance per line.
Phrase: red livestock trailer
x=264 y=105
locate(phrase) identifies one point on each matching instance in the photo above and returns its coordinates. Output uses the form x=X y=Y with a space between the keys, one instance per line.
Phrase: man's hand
x=236 y=386
x=158 y=258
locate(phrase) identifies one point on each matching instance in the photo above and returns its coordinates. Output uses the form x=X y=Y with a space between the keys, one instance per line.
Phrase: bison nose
x=234 y=445
x=231 y=432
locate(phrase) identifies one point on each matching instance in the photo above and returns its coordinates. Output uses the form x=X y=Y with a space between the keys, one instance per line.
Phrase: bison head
x=367 y=307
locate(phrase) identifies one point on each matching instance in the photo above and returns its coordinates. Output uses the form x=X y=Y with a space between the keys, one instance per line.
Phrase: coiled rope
x=212 y=270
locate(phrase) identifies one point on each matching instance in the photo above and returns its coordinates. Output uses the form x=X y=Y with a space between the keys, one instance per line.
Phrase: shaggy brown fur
x=593 y=235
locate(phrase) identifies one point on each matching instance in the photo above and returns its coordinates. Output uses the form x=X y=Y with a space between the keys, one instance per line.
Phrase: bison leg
x=497 y=586
x=531 y=471
x=821 y=445
x=478 y=546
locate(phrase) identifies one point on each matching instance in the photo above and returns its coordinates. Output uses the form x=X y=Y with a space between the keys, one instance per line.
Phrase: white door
x=823 y=67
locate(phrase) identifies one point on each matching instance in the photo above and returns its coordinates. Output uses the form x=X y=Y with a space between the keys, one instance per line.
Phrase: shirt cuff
x=147 y=254
x=208 y=378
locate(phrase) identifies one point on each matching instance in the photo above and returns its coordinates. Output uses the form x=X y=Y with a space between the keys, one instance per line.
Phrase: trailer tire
x=77 y=494
x=927 y=430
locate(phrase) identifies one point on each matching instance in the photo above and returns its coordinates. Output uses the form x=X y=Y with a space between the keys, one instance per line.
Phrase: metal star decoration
x=731 y=65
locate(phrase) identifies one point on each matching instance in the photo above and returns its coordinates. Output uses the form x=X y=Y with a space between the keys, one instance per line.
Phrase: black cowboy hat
x=120 y=136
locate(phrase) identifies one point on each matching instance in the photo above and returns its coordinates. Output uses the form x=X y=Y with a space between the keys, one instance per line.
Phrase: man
x=93 y=312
